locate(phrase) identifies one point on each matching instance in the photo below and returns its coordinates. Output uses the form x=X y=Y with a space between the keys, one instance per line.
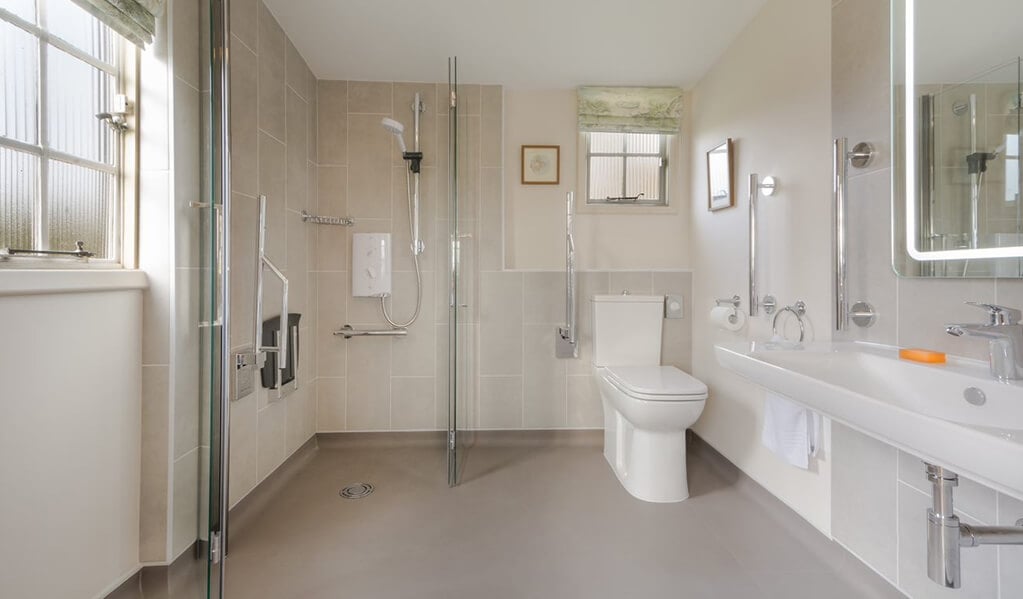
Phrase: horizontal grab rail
x=348 y=332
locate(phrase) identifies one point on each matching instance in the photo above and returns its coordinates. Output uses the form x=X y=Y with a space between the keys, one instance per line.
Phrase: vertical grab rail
x=567 y=345
x=262 y=262
x=754 y=189
x=841 y=307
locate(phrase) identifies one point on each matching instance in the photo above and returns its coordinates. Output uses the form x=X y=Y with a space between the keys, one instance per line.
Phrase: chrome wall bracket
x=946 y=535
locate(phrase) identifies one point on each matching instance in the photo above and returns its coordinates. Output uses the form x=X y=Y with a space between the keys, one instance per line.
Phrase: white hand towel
x=791 y=431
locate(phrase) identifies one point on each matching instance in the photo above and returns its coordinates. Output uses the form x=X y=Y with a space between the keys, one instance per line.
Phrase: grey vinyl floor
x=530 y=520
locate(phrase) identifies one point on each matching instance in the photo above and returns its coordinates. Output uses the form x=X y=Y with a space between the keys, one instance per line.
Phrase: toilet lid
x=656 y=380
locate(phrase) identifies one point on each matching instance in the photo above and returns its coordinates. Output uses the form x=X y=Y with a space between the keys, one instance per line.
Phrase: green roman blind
x=135 y=20
x=630 y=109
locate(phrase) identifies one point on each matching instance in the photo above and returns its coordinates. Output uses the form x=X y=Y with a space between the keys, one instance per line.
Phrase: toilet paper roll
x=727 y=318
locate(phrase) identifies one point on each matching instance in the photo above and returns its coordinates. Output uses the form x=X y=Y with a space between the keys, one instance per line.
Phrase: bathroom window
x=62 y=114
x=626 y=168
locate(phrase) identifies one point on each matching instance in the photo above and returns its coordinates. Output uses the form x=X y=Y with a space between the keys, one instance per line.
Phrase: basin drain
x=357 y=491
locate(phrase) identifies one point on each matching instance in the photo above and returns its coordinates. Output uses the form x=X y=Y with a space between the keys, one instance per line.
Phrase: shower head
x=397 y=129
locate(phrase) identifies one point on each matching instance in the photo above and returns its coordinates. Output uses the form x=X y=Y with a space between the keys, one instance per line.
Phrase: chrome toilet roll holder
x=734 y=302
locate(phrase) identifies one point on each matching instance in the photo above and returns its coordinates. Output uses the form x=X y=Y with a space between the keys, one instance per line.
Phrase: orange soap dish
x=924 y=356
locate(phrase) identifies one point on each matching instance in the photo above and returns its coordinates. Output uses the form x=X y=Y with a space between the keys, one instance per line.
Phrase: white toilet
x=647 y=407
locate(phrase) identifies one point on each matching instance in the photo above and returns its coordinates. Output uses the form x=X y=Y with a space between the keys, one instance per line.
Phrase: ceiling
x=517 y=43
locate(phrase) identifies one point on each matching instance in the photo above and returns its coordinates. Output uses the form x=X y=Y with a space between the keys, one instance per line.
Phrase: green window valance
x=630 y=109
x=135 y=20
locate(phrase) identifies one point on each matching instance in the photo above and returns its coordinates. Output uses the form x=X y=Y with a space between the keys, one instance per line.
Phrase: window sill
x=44 y=282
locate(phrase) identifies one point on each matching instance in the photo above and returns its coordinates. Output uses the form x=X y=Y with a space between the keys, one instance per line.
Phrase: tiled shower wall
x=513 y=379
x=880 y=494
x=273 y=108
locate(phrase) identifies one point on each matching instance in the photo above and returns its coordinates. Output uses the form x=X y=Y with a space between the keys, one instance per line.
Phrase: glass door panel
x=462 y=251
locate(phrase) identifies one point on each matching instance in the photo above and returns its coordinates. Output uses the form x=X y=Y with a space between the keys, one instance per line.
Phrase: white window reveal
x=62 y=110
x=628 y=133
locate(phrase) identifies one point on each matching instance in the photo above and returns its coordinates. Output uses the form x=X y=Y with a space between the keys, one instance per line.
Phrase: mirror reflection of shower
x=413 y=160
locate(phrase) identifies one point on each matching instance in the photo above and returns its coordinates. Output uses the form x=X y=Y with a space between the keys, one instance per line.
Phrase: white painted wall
x=69 y=442
x=629 y=238
x=770 y=92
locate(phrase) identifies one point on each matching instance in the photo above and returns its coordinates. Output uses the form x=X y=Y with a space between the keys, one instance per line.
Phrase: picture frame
x=541 y=165
x=721 y=176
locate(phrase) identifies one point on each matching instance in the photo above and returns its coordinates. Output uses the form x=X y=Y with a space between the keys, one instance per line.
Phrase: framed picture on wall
x=541 y=165
x=720 y=177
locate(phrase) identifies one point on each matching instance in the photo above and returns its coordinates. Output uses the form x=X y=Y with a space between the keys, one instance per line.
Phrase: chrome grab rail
x=861 y=155
x=343 y=221
x=348 y=332
x=567 y=342
x=840 y=309
x=754 y=301
x=263 y=262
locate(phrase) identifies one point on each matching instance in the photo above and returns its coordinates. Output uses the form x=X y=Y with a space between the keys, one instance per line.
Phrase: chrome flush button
x=974 y=396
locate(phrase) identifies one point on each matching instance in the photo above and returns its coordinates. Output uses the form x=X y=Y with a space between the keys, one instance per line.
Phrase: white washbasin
x=956 y=415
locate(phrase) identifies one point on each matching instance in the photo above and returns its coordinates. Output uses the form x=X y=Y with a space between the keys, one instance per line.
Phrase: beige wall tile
x=298 y=265
x=370 y=97
x=311 y=118
x=500 y=402
x=300 y=417
x=332 y=242
x=866 y=509
x=244 y=447
x=331 y=405
x=369 y=385
x=245 y=21
x=296 y=175
x=155 y=450
x=584 y=407
x=186 y=367
x=186 y=174
x=492 y=141
x=501 y=323
x=244 y=125
x=185 y=28
x=272 y=183
x=186 y=502
x=332 y=122
x=491 y=219
x=441 y=375
x=413 y=355
x=543 y=298
x=544 y=380
x=677 y=335
x=412 y=402
x=331 y=351
x=244 y=222
x=296 y=71
x=271 y=437
x=492 y=101
x=271 y=75
x=369 y=179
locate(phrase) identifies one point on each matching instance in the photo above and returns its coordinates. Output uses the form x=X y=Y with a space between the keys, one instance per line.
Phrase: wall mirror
x=720 y=176
x=956 y=127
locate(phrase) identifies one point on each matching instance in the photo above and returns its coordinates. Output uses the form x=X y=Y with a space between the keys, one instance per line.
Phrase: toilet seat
x=656 y=383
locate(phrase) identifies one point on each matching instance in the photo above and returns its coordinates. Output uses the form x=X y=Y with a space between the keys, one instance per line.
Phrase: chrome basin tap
x=1005 y=334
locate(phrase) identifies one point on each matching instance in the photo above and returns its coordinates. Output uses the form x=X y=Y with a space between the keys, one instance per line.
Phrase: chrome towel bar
x=348 y=332
x=342 y=221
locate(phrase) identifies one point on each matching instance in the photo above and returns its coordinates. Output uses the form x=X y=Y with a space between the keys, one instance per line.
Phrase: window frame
x=664 y=149
x=122 y=223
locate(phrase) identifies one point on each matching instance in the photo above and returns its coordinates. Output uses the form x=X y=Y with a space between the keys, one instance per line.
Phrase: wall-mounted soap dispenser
x=371 y=264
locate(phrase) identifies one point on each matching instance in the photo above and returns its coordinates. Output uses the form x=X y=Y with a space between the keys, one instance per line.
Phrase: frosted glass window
x=59 y=163
x=626 y=168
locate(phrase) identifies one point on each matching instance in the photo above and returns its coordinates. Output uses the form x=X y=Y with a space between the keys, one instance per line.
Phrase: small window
x=626 y=168
x=60 y=160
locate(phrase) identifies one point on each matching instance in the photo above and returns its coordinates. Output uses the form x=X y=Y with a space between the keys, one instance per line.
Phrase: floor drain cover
x=357 y=491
